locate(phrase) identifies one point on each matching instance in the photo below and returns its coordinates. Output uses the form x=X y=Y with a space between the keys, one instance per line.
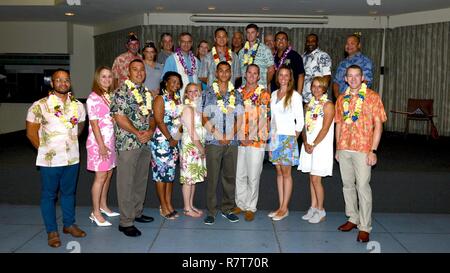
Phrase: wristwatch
x=374 y=151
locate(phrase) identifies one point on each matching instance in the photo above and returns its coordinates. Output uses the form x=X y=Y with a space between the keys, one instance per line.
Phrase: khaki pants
x=132 y=179
x=354 y=168
x=249 y=167
x=220 y=160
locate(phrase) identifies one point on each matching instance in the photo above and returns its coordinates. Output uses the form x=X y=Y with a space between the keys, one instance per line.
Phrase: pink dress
x=98 y=109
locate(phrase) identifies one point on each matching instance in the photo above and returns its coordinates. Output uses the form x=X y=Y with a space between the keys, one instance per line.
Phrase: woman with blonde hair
x=100 y=144
x=287 y=121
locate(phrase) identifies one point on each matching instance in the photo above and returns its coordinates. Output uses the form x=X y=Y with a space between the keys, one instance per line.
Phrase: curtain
x=417 y=65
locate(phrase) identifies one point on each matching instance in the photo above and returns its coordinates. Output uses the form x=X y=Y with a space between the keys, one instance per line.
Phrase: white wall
x=119 y=24
x=419 y=18
x=13 y=116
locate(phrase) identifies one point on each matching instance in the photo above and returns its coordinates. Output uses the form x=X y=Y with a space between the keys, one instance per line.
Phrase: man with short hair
x=166 y=44
x=359 y=123
x=316 y=62
x=131 y=107
x=220 y=52
x=287 y=56
x=53 y=126
x=120 y=65
x=183 y=61
x=269 y=41
x=255 y=52
x=237 y=41
x=221 y=116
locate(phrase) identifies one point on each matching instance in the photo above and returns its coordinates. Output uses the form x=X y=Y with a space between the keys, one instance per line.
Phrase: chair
x=420 y=110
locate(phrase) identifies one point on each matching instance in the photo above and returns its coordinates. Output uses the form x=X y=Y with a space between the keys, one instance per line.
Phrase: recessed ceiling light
x=212 y=8
x=159 y=7
x=265 y=8
x=69 y=14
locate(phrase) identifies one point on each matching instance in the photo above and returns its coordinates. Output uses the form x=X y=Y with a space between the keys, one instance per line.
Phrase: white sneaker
x=309 y=214
x=319 y=216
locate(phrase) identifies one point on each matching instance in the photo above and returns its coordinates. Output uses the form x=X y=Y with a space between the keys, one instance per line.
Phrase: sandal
x=191 y=213
x=174 y=213
x=196 y=210
x=168 y=216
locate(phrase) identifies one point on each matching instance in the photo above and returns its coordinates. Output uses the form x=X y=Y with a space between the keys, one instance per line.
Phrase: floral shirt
x=58 y=145
x=263 y=58
x=359 y=59
x=124 y=103
x=357 y=136
x=316 y=63
x=120 y=66
x=256 y=116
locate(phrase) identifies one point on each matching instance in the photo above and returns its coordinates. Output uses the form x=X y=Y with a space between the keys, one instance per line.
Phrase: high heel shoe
x=109 y=214
x=100 y=224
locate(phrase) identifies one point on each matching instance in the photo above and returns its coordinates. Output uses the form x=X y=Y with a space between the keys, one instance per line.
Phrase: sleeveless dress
x=320 y=161
x=192 y=166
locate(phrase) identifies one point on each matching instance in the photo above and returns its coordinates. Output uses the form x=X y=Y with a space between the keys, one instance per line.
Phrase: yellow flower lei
x=314 y=110
x=358 y=106
x=68 y=123
x=254 y=97
x=148 y=98
x=220 y=102
x=249 y=54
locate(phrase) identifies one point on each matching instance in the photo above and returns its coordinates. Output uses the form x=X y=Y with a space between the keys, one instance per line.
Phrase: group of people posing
x=215 y=117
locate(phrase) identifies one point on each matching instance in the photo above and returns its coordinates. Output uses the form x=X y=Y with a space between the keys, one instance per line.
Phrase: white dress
x=320 y=161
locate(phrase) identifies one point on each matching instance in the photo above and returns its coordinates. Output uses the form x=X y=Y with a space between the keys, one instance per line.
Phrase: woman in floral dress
x=164 y=144
x=192 y=156
x=100 y=144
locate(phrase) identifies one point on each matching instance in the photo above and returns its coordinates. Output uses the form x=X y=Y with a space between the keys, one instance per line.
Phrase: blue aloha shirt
x=359 y=59
x=263 y=59
x=316 y=63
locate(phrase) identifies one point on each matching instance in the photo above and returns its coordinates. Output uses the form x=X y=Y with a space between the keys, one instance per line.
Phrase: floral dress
x=164 y=156
x=98 y=109
x=192 y=165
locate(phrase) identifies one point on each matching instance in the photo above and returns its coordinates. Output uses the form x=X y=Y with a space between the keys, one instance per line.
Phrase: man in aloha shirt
x=183 y=62
x=359 y=123
x=220 y=52
x=253 y=138
x=53 y=126
x=353 y=49
x=316 y=63
x=256 y=52
x=222 y=110
x=120 y=65
x=131 y=107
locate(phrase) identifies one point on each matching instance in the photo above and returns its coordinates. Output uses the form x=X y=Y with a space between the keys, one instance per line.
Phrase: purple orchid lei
x=283 y=58
x=189 y=72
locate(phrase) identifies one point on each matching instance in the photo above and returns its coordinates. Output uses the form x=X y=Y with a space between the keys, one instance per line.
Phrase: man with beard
x=120 y=65
x=53 y=126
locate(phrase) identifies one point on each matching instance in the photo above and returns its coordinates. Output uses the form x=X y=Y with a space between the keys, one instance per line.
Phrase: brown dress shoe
x=347 y=226
x=236 y=210
x=74 y=230
x=363 y=237
x=249 y=216
x=53 y=239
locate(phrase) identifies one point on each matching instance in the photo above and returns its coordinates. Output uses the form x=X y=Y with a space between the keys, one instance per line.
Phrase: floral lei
x=174 y=106
x=140 y=101
x=254 y=98
x=315 y=108
x=249 y=58
x=220 y=102
x=189 y=72
x=216 y=56
x=283 y=58
x=361 y=96
x=73 y=120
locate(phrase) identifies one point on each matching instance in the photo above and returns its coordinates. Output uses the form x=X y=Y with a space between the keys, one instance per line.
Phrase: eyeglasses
x=61 y=80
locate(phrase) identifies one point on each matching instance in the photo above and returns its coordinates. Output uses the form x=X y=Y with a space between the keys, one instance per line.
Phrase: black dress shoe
x=130 y=231
x=144 y=219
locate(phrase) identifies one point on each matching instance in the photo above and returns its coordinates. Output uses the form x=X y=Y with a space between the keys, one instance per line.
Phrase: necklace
x=358 y=106
x=315 y=108
x=220 y=102
x=253 y=98
x=69 y=123
x=216 y=56
x=250 y=57
x=283 y=58
x=189 y=72
x=145 y=108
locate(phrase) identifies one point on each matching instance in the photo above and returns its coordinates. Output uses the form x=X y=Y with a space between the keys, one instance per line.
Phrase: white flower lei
x=145 y=108
x=220 y=102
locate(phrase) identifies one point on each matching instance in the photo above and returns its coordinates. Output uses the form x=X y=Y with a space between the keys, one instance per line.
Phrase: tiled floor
x=23 y=231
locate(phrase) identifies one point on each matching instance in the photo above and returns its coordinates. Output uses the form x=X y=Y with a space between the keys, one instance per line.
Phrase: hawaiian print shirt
x=263 y=58
x=58 y=145
x=359 y=59
x=120 y=66
x=357 y=136
x=124 y=103
x=317 y=63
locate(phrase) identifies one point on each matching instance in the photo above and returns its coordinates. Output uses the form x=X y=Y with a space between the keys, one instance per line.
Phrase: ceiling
x=92 y=12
